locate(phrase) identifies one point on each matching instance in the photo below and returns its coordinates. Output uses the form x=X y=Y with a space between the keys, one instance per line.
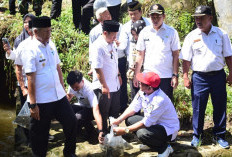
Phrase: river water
x=7 y=115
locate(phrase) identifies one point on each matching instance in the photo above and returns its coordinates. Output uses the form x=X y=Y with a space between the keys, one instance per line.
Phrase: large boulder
x=224 y=15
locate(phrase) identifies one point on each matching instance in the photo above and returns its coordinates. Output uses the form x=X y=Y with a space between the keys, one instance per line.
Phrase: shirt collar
x=149 y=97
x=163 y=26
x=212 y=30
x=38 y=43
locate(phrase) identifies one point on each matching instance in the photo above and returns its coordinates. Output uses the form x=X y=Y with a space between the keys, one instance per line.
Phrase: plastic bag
x=113 y=146
x=23 y=118
x=99 y=4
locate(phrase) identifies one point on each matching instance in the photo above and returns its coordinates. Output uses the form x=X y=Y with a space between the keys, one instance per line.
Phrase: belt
x=210 y=73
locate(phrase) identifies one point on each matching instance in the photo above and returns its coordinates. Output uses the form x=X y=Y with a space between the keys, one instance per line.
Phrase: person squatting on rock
x=160 y=123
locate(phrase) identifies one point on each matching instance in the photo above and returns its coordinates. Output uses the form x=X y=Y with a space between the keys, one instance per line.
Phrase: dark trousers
x=108 y=107
x=122 y=62
x=154 y=136
x=12 y=7
x=82 y=13
x=202 y=86
x=62 y=111
x=133 y=89
x=85 y=117
x=166 y=87
x=56 y=8
x=115 y=12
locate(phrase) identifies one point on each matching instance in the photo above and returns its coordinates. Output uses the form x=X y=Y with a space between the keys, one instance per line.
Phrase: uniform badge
x=150 y=108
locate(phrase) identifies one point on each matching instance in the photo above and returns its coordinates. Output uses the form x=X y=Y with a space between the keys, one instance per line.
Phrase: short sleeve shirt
x=85 y=96
x=206 y=52
x=43 y=59
x=158 y=47
x=158 y=109
x=105 y=57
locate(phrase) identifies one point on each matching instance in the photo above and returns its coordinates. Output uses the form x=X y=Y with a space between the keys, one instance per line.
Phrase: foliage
x=72 y=46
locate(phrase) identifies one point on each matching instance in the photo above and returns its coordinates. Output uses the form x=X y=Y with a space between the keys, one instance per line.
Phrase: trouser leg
x=154 y=136
x=37 y=7
x=23 y=7
x=65 y=115
x=76 y=9
x=123 y=89
x=56 y=8
x=84 y=117
x=200 y=94
x=12 y=7
x=219 y=100
x=166 y=87
x=115 y=104
x=87 y=13
x=39 y=130
x=134 y=89
x=115 y=12
x=104 y=107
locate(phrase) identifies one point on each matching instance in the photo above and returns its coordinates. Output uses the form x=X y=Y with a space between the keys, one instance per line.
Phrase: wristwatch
x=175 y=75
x=32 y=106
x=127 y=130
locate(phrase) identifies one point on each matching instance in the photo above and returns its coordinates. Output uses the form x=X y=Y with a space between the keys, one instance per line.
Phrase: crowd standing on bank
x=151 y=48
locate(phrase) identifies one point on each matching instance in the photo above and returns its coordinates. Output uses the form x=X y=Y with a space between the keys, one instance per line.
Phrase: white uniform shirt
x=158 y=46
x=18 y=53
x=43 y=61
x=94 y=34
x=103 y=59
x=125 y=37
x=85 y=95
x=158 y=109
x=206 y=52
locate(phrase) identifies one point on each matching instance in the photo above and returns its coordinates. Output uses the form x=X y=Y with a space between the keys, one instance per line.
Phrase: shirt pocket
x=41 y=62
x=218 y=46
x=198 y=48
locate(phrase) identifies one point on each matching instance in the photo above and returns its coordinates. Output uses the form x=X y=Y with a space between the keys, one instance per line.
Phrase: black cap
x=41 y=22
x=110 y=26
x=202 y=10
x=156 y=8
x=135 y=5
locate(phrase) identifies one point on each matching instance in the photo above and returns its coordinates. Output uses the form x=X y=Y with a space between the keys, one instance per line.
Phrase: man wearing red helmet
x=160 y=123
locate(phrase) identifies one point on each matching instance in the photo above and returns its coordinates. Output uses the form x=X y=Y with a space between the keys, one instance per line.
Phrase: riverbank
x=181 y=147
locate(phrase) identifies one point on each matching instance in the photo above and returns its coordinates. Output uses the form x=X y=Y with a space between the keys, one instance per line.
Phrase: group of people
x=152 y=49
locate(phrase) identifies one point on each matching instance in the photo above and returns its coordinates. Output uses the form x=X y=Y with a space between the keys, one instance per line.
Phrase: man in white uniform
x=160 y=123
x=46 y=90
x=206 y=49
x=106 y=76
x=87 y=108
x=158 y=46
x=126 y=39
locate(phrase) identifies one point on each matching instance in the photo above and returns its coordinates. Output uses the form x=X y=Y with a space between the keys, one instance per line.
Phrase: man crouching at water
x=160 y=123
x=46 y=91
x=87 y=108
